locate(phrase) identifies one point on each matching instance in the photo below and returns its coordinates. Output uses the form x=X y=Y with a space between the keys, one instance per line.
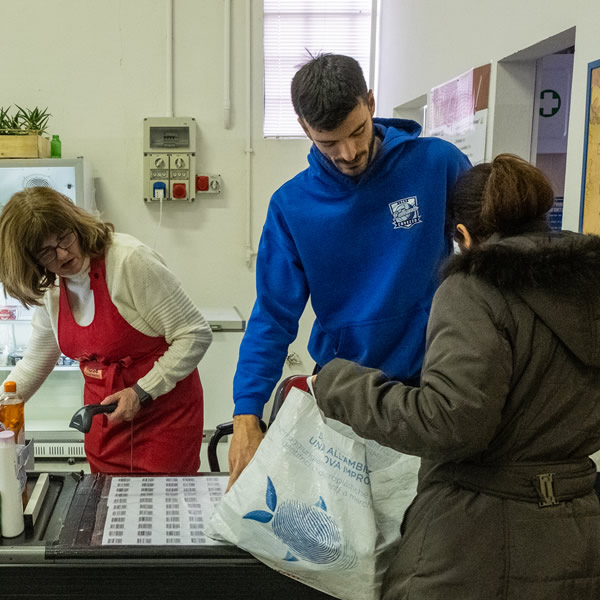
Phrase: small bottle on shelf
x=55 y=147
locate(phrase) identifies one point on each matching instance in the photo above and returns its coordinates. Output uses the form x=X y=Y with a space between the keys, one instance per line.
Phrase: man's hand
x=246 y=438
x=128 y=405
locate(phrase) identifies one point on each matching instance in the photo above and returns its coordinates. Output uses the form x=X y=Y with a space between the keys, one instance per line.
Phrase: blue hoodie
x=366 y=249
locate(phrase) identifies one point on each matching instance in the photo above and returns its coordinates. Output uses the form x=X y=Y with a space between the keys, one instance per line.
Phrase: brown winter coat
x=506 y=417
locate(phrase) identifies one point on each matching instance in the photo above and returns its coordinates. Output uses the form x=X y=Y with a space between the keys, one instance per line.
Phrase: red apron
x=162 y=438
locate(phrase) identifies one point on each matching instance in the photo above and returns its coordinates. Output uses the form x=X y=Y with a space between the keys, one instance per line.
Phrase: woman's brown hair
x=505 y=196
x=27 y=220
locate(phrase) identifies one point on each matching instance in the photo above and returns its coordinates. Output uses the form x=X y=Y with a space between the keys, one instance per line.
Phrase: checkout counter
x=59 y=556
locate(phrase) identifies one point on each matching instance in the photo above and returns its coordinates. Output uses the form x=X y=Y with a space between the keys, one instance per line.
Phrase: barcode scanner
x=82 y=419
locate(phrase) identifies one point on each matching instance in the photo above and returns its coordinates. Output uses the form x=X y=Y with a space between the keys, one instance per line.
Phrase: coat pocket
x=554 y=545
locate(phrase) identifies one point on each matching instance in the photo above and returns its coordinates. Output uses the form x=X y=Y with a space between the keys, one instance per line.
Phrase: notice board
x=457 y=111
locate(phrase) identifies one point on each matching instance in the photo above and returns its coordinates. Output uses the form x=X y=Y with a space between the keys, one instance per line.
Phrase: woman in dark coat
x=508 y=410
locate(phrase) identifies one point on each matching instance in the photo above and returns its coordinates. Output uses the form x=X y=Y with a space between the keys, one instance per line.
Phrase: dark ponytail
x=505 y=196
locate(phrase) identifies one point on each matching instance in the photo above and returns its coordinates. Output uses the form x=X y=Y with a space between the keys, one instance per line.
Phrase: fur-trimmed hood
x=556 y=273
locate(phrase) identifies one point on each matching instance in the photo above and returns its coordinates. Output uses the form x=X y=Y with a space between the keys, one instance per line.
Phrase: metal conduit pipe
x=227 y=64
x=250 y=253
x=169 y=58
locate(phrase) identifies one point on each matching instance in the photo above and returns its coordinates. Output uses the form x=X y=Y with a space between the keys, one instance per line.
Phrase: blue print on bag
x=308 y=531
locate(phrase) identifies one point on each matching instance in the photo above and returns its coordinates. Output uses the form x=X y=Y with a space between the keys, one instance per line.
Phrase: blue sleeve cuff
x=248 y=406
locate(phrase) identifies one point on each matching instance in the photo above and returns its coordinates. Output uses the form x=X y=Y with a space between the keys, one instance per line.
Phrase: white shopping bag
x=318 y=503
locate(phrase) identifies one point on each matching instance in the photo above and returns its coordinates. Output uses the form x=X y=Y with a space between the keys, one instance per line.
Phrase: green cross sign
x=549 y=103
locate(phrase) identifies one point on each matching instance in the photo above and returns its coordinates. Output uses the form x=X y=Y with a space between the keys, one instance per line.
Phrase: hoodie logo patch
x=405 y=212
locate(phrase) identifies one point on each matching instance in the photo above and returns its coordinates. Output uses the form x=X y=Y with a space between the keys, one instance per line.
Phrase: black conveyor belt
x=57 y=561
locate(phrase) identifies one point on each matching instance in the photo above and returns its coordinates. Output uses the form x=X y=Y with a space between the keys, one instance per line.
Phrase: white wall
x=427 y=42
x=99 y=67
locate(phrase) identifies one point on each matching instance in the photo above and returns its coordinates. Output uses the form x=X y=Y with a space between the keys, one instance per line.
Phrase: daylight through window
x=292 y=28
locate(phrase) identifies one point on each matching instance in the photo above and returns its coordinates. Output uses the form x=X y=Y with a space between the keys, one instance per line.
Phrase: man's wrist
x=246 y=422
x=144 y=397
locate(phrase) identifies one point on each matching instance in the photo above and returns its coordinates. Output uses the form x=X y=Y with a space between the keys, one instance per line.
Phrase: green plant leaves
x=23 y=121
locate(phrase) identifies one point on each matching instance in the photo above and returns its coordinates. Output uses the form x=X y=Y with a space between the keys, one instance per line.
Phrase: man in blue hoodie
x=362 y=231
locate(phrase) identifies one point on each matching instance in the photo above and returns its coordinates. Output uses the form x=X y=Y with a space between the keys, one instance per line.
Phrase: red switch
x=179 y=191
x=202 y=183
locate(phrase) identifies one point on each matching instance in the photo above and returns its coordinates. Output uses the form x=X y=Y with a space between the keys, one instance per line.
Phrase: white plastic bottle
x=11 y=519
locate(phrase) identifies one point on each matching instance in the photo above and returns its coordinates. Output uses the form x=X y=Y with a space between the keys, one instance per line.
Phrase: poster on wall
x=590 y=193
x=457 y=111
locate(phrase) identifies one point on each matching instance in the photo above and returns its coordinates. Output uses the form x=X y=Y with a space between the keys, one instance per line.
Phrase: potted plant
x=22 y=133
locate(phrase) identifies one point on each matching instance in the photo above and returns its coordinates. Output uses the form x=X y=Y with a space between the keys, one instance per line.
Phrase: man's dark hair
x=327 y=89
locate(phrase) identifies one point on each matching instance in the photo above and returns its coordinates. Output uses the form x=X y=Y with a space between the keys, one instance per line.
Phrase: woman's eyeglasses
x=47 y=254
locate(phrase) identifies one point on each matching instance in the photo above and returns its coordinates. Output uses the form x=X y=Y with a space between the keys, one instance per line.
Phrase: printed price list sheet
x=161 y=510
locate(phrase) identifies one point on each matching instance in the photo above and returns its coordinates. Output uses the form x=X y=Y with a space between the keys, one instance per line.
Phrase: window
x=293 y=27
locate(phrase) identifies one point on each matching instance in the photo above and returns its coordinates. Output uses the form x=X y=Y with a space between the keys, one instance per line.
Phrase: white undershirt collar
x=81 y=297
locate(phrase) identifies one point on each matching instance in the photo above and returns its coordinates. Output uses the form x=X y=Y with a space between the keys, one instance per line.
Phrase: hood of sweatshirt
x=556 y=273
x=393 y=133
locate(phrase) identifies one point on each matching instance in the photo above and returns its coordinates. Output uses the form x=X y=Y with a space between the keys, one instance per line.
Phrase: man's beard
x=369 y=153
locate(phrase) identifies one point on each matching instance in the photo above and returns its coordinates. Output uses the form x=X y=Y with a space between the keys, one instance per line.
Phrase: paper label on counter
x=161 y=510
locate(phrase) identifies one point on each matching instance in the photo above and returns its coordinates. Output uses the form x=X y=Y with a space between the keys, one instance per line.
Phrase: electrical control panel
x=169 y=159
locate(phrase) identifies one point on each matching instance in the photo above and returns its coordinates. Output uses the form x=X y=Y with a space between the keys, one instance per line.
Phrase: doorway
x=554 y=75
x=532 y=106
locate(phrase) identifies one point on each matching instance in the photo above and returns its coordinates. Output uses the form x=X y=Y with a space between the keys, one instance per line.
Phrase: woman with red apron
x=110 y=302
x=164 y=437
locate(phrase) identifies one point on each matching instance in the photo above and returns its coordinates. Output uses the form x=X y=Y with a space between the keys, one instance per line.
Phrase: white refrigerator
x=70 y=176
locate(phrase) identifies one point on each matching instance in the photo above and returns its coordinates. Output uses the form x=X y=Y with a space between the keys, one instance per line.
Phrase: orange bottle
x=12 y=411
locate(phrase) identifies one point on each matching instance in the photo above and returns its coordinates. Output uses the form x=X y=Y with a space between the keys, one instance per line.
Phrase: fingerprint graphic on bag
x=308 y=530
